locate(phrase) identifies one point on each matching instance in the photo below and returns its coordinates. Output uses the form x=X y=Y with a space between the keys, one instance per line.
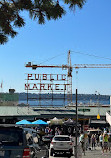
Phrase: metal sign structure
x=48 y=84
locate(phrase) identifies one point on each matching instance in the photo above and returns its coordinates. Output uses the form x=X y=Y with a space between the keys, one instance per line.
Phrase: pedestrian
x=97 y=139
x=109 y=142
x=105 y=141
x=46 y=130
x=93 y=140
x=81 y=140
x=101 y=140
x=89 y=139
x=56 y=131
x=50 y=131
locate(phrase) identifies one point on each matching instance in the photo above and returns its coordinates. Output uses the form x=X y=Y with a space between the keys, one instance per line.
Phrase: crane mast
x=69 y=80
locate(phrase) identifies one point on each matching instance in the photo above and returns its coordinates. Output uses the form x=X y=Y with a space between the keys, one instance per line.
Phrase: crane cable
x=76 y=52
x=96 y=56
x=52 y=58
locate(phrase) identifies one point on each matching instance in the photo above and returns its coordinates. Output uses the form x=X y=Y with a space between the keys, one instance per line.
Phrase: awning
x=98 y=121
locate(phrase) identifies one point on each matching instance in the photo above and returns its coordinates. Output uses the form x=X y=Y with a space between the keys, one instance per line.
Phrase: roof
x=51 y=112
x=17 y=111
x=94 y=111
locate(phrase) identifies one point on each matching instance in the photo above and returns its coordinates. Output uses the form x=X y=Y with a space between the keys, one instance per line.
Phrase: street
x=61 y=156
x=96 y=154
x=88 y=154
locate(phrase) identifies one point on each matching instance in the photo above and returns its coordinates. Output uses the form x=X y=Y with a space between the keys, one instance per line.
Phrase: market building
x=87 y=115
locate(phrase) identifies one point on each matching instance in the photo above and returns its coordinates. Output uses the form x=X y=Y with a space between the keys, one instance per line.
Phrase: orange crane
x=69 y=67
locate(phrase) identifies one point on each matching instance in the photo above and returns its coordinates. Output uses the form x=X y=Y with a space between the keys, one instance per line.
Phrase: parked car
x=14 y=143
x=37 y=148
x=47 y=139
x=61 y=143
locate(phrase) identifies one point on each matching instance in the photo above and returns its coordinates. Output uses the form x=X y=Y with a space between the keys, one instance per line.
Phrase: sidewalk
x=96 y=154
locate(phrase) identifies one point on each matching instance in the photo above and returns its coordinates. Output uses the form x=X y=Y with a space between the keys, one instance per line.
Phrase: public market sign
x=56 y=82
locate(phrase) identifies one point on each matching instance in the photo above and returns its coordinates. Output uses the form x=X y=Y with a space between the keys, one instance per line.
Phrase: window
x=62 y=139
x=10 y=136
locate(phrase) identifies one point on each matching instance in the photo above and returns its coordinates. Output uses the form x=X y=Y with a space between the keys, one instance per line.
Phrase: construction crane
x=69 y=67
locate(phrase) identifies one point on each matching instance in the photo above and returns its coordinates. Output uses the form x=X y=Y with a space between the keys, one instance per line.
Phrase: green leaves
x=46 y=9
x=74 y=3
x=39 y=10
x=3 y=39
x=19 y=21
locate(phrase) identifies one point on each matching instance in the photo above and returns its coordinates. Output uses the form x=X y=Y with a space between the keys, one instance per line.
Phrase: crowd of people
x=88 y=141
x=91 y=141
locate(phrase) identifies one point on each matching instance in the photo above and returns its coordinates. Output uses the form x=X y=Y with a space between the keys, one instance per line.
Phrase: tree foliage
x=40 y=10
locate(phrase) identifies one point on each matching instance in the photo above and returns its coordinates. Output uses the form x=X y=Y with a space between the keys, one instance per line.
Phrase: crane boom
x=76 y=66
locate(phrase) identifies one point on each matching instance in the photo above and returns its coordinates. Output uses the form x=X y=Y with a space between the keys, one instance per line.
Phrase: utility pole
x=27 y=93
x=76 y=127
x=110 y=112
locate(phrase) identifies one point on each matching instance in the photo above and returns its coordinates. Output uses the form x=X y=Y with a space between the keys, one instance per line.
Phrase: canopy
x=56 y=121
x=40 y=122
x=23 y=122
x=69 y=122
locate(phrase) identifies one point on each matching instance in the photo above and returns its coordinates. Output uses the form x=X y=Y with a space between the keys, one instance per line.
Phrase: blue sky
x=87 y=31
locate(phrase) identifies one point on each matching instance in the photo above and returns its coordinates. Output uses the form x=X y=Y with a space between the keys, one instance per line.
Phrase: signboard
x=84 y=110
x=46 y=82
x=48 y=77
x=86 y=127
